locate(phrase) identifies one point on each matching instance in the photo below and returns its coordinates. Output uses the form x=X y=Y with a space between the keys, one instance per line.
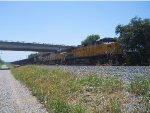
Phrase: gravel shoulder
x=16 y=98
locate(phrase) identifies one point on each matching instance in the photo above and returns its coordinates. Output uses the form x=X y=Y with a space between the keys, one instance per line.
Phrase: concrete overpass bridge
x=19 y=46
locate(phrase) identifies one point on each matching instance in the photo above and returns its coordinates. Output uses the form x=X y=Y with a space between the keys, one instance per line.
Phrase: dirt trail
x=14 y=97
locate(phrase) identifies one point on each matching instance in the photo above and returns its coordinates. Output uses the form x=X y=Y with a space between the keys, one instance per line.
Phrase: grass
x=9 y=65
x=140 y=86
x=63 y=92
x=1 y=64
x=104 y=84
x=115 y=106
x=51 y=88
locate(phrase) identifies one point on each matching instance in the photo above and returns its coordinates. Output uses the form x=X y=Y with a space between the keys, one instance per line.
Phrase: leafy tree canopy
x=32 y=55
x=90 y=38
x=36 y=54
x=1 y=61
x=135 y=36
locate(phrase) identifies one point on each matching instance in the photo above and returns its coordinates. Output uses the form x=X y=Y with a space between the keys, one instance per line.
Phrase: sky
x=63 y=22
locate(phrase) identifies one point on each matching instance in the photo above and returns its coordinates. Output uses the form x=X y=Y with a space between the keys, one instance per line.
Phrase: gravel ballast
x=125 y=73
x=16 y=98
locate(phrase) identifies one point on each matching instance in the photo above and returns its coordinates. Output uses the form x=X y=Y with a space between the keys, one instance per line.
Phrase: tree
x=135 y=39
x=1 y=61
x=32 y=55
x=90 y=38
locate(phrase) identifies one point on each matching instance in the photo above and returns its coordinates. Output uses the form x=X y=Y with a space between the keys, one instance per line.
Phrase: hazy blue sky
x=63 y=22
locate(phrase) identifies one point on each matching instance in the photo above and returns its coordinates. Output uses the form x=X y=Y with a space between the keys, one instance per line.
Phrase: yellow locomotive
x=105 y=51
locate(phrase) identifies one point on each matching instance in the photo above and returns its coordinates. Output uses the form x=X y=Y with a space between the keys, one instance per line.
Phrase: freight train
x=104 y=51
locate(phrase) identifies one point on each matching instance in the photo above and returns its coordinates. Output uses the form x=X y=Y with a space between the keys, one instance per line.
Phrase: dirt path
x=14 y=97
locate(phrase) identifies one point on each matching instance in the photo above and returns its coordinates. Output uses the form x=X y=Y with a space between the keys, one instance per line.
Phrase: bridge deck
x=19 y=46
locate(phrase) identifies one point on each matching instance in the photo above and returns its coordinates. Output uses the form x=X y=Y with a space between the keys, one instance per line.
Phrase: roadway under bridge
x=19 y=46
